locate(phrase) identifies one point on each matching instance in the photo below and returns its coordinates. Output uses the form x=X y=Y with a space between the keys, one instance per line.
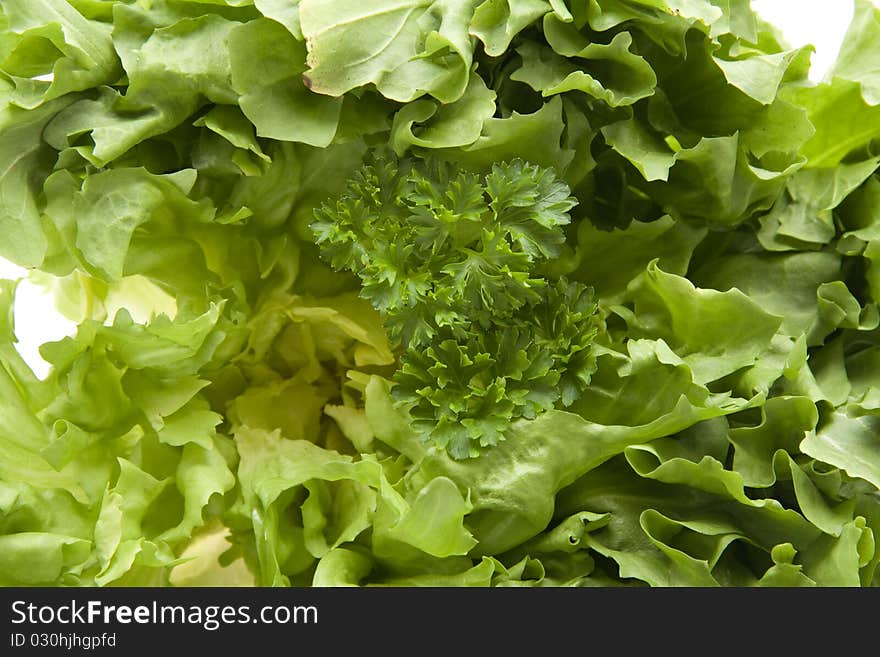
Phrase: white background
x=820 y=22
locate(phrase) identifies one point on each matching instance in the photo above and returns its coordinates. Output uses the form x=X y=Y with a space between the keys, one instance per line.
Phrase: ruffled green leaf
x=716 y=333
x=275 y=97
x=53 y=37
x=859 y=57
x=429 y=49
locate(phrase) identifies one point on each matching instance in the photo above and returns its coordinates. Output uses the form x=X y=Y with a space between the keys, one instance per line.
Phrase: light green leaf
x=609 y=260
x=731 y=187
x=341 y=567
x=335 y=513
x=624 y=78
x=497 y=22
x=536 y=137
x=36 y=558
x=716 y=333
x=285 y=12
x=88 y=57
x=479 y=575
x=201 y=474
x=100 y=218
x=848 y=443
x=407 y=48
x=759 y=76
x=784 y=572
x=434 y=521
x=232 y=125
x=844 y=121
x=428 y=124
x=793 y=286
x=274 y=96
x=859 y=56
x=25 y=160
x=836 y=561
x=647 y=152
x=785 y=421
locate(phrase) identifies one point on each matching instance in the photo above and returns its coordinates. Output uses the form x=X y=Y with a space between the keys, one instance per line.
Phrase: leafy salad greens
x=439 y=293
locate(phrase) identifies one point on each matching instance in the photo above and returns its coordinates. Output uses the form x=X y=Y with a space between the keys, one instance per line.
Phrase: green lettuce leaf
x=499 y=293
x=429 y=49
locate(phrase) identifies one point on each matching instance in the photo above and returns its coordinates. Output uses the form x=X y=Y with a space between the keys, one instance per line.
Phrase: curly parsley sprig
x=452 y=259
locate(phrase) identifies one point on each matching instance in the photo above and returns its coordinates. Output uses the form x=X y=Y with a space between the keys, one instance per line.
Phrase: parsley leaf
x=452 y=260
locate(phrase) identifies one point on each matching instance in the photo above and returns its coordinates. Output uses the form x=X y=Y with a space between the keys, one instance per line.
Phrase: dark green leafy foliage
x=452 y=259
